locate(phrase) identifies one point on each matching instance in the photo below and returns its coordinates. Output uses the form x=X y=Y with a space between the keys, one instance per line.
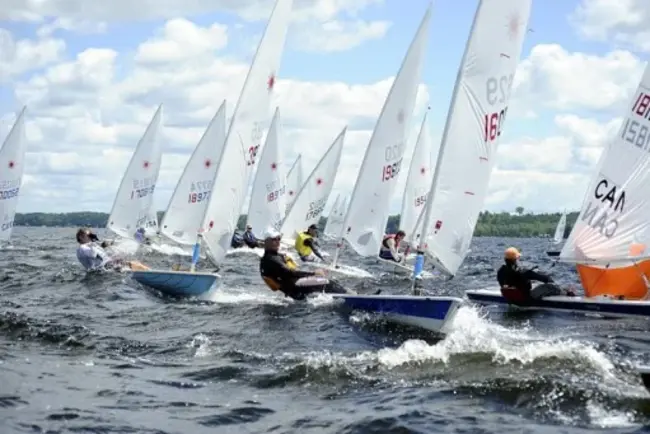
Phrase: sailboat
x=133 y=204
x=365 y=221
x=558 y=237
x=417 y=186
x=470 y=138
x=608 y=242
x=187 y=210
x=189 y=201
x=12 y=157
x=234 y=165
x=268 y=205
x=310 y=200
x=294 y=180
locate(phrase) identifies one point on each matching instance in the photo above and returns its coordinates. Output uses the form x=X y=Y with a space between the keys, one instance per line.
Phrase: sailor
x=237 y=241
x=516 y=285
x=281 y=273
x=307 y=246
x=249 y=238
x=141 y=237
x=93 y=257
x=390 y=246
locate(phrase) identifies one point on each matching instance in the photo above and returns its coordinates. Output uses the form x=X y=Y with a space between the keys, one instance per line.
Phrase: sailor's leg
x=314 y=284
x=386 y=254
x=545 y=290
x=138 y=266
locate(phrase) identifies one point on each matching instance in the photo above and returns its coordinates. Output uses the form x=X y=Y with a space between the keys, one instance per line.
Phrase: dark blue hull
x=609 y=307
x=429 y=313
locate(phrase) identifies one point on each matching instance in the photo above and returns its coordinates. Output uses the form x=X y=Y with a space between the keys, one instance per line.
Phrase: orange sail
x=627 y=282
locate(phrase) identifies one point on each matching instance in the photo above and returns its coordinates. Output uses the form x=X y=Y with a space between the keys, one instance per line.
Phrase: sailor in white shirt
x=93 y=257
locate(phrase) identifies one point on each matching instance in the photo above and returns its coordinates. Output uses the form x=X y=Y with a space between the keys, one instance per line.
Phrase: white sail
x=609 y=240
x=268 y=202
x=365 y=221
x=614 y=222
x=418 y=183
x=12 y=157
x=335 y=220
x=244 y=136
x=312 y=196
x=134 y=198
x=189 y=202
x=559 y=229
x=332 y=218
x=151 y=224
x=474 y=124
x=294 y=180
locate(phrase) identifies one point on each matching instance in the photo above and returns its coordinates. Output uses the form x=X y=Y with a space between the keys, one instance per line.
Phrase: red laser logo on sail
x=513 y=26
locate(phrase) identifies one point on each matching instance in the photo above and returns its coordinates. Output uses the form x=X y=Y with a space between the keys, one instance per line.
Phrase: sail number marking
x=635 y=132
x=393 y=157
x=497 y=90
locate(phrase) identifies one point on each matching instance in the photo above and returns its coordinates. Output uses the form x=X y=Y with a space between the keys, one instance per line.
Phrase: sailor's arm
x=282 y=271
x=393 y=249
x=314 y=247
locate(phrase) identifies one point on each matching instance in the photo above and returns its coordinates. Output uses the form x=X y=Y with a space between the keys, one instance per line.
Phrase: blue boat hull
x=177 y=283
x=429 y=313
x=561 y=303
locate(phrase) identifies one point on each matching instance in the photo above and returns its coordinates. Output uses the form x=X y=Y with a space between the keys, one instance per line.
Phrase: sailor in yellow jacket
x=307 y=246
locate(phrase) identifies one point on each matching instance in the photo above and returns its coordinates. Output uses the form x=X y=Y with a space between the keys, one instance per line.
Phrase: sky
x=92 y=74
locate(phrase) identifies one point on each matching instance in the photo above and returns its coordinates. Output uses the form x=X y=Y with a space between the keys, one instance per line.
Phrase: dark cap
x=313 y=226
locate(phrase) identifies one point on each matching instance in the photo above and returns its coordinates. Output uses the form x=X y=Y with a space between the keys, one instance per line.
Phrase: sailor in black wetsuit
x=516 y=285
x=281 y=273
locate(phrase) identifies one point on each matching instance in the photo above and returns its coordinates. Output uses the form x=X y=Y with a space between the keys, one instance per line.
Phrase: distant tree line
x=502 y=224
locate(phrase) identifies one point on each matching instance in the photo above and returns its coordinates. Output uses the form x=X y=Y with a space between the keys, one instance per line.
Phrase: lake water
x=101 y=354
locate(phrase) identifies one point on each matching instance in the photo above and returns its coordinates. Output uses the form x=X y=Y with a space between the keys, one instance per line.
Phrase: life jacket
x=299 y=245
x=515 y=296
x=386 y=238
x=273 y=284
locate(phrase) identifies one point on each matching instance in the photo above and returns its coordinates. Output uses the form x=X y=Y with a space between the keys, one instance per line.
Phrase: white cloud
x=338 y=35
x=20 y=56
x=121 y=10
x=86 y=114
x=84 y=118
x=182 y=40
x=551 y=173
x=319 y=25
x=619 y=21
x=552 y=77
